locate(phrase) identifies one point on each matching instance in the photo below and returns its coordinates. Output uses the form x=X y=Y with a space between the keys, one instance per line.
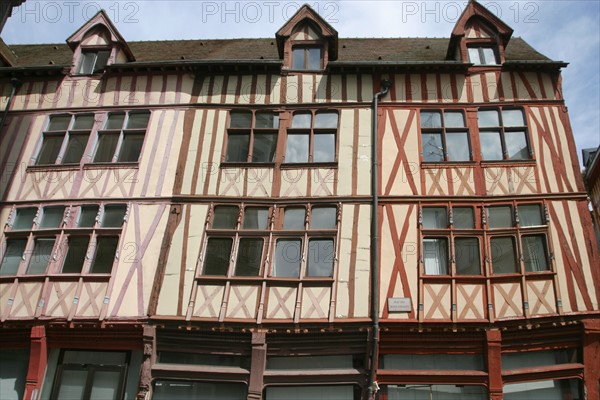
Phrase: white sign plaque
x=399 y=304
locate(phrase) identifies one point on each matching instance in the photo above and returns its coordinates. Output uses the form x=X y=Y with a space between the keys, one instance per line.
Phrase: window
x=303 y=244
x=312 y=138
x=513 y=237
x=13 y=372
x=319 y=392
x=435 y=392
x=90 y=375
x=444 y=136
x=92 y=61
x=307 y=58
x=122 y=138
x=503 y=135
x=482 y=55
x=199 y=390
x=65 y=139
x=252 y=137
x=84 y=242
x=545 y=389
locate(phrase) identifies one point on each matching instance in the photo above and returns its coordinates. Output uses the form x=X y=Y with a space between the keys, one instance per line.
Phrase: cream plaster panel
x=346 y=152
x=274 y=91
x=242 y=301
x=415 y=87
x=351 y=87
x=208 y=301
x=496 y=180
x=337 y=87
x=472 y=305
x=432 y=93
x=91 y=299
x=194 y=152
x=260 y=92
x=6 y=298
x=294 y=182
x=344 y=256
x=281 y=302
x=315 y=302
x=246 y=90
x=492 y=87
x=505 y=80
x=501 y=308
x=292 y=91
x=259 y=181
x=583 y=253
x=367 y=87
x=60 y=299
x=218 y=136
x=156 y=89
x=477 y=86
x=232 y=182
x=323 y=182
x=11 y=154
x=563 y=139
x=362 y=279
x=461 y=87
x=436 y=301
x=363 y=186
x=548 y=296
x=26 y=300
x=389 y=150
x=446 y=86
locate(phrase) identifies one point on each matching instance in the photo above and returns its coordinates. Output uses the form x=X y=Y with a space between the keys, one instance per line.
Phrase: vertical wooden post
x=145 y=383
x=591 y=357
x=494 y=363
x=258 y=364
x=38 y=358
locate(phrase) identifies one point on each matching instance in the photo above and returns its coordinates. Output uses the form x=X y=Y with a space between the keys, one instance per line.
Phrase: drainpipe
x=373 y=387
x=16 y=83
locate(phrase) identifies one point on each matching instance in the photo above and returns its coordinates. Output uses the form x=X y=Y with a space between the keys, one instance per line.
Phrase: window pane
x=326 y=120
x=131 y=148
x=225 y=217
x=319 y=392
x=504 y=255
x=50 y=149
x=447 y=362
x=491 y=145
x=463 y=217
x=101 y=60
x=237 y=147
x=106 y=249
x=83 y=122
x=42 y=252
x=530 y=215
x=24 y=218
x=13 y=373
x=94 y=357
x=539 y=358
x=433 y=150
x=466 y=251
x=437 y=392
x=87 y=217
x=105 y=150
x=314 y=58
x=75 y=255
x=72 y=384
x=115 y=121
x=489 y=55
x=458 y=146
x=516 y=145
x=500 y=217
x=301 y=120
x=474 y=55
x=323 y=218
x=296 y=148
x=240 y=120
x=534 y=253
x=435 y=217
x=294 y=218
x=454 y=119
x=59 y=123
x=309 y=362
x=266 y=120
x=105 y=385
x=218 y=251
x=298 y=58
x=256 y=218
x=512 y=118
x=488 y=118
x=185 y=390
x=138 y=120
x=431 y=119
x=324 y=147
x=113 y=216
x=217 y=360
x=86 y=64
x=546 y=390
x=12 y=256
x=52 y=217
x=435 y=254
x=75 y=148
x=320 y=257
x=249 y=257
x=287 y=258
x=263 y=149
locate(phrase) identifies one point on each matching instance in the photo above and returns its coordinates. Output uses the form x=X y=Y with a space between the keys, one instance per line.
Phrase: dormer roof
x=303 y=16
x=102 y=21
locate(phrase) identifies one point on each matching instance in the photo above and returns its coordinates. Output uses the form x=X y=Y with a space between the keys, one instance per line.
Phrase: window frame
x=306 y=48
x=502 y=130
x=66 y=139
x=443 y=131
x=312 y=131
x=251 y=132
x=481 y=54
x=122 y=133
x=95 y=67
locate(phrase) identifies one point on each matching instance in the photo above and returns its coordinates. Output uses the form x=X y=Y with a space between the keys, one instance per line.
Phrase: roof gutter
x=16 y=83
x=373 y=387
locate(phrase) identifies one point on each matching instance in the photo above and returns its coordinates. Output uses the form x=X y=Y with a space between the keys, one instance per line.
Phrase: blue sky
x=562 y=30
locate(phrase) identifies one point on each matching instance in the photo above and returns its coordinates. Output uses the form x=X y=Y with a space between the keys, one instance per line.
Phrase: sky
x=563 y=30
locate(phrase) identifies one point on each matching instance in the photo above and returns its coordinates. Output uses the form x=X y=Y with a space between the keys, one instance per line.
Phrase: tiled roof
x=360 y=50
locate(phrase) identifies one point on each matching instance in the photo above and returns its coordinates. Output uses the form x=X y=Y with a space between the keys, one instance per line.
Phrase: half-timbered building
x=300 y=217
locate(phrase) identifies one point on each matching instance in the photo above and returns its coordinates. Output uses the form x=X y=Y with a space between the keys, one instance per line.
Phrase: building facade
x=194 y=219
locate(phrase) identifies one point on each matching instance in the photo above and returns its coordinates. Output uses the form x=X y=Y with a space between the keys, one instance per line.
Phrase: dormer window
x=482 y=55
x=92 y=61
x=307 y=58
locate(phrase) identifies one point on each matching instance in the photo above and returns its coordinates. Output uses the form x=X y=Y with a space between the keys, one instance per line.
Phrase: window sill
x=447 y=164
x=53 y=167
x=115 y=165
x=56 y=277
x=270 y=280
x=509 y=163
x=248 y=164
x=332 y=164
